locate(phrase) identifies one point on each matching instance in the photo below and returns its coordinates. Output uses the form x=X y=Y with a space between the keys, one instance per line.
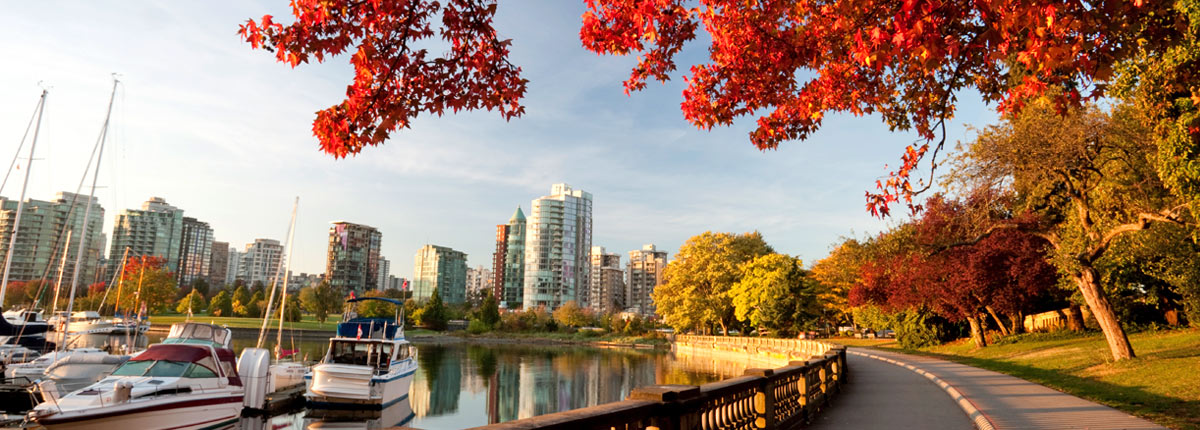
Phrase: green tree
x=201 y=285
x=320 y=300
x=433 y=314
x=837 y=273
x=376 y=308
x=693 y=294
x=221 y=305
x=254 y=306
x=774 y=293
x=489 y=310
x=293 y=312
x=194 y=301
x=241 y=297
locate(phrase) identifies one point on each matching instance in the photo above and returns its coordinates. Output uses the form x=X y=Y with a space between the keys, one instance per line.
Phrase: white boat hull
x=177 y=414
x=341 y=386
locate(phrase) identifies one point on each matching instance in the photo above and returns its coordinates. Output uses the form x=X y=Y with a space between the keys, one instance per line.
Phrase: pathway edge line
x=981 y=420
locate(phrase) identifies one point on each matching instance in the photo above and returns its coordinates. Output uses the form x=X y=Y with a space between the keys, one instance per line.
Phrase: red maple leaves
x=395 y=76
x=790 y=62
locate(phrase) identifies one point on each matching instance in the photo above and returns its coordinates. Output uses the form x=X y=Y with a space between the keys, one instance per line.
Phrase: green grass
x=849 y=341
x=1162 y=384
x=307 y=322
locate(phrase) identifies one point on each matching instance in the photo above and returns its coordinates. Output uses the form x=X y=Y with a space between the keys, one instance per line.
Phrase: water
x=462 y=385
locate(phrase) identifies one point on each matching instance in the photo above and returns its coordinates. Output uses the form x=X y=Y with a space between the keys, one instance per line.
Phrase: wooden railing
x=783 y=398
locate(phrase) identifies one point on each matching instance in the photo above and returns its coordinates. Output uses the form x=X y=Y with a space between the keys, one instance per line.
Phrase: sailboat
x=264 y=378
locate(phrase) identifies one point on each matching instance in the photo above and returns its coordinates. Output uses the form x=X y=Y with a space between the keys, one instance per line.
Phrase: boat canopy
x=369 y=328
x=187 y=353
x=397 y=302
x=198 y=333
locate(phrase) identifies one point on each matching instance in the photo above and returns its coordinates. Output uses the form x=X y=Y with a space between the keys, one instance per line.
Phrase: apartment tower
x=558 y=245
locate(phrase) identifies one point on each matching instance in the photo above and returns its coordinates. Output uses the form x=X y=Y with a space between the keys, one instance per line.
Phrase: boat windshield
x=377 y=355
x=164 y=368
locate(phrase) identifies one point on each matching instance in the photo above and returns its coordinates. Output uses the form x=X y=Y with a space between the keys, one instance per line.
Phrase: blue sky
x=224 y=133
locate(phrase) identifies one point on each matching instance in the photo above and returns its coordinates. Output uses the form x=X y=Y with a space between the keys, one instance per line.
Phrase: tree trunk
x=1074 y=316
x=1018 y=322
x=1118 y=342
x=977 y=331
x=999 y=323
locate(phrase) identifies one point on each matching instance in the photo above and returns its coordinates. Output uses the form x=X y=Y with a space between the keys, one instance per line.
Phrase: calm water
x=461 y=385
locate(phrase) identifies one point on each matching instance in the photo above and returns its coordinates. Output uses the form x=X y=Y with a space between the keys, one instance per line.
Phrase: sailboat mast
x=12 y=242
x=87 y=212
x=120 y=283
x=287 y=269
x=262 y=332
x=62 y=265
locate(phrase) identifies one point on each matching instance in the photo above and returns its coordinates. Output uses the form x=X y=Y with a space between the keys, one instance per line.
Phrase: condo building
x=260 y=262
x=43 y=234
x=644 y=272
x=558 y=244
x=352 y=260
x=156 y=230
x=607 y=283
x=195 y=252
x=443 y=269
x=218 y=264
x=508 y=262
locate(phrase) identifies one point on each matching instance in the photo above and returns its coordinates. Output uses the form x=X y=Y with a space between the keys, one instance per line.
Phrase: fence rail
x=783 y=398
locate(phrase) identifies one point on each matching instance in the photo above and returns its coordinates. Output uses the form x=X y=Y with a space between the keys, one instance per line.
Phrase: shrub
x=478 y=327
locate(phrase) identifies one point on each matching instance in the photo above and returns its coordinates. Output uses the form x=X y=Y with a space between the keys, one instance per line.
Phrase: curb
x=982 y=422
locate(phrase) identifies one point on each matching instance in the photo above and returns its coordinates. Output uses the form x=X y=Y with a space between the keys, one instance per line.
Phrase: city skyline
x=223 y=133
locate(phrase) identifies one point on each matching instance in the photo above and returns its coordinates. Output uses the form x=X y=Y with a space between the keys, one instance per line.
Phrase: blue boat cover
x=374 y=328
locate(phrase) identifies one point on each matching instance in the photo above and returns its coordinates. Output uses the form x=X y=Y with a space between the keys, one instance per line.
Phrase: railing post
x=764 y=400
x=672 y=415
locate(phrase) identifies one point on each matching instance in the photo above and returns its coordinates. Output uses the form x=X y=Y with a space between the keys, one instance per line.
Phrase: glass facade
x=557 y=248
x=352 y=262
x=443 y=269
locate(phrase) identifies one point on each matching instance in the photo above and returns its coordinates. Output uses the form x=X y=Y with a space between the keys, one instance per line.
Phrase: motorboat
x=369 y=364
x=129 y=325
x=76 y=371
x=181 y=385
x=25 y=328
x=34 y=369
x=83 y=322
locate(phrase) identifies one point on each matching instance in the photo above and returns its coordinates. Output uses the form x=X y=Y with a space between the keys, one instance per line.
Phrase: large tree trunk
x=999 y=323
x=1074 y=317
x=1018 y=322
x=1118 y=342
x=977 y=333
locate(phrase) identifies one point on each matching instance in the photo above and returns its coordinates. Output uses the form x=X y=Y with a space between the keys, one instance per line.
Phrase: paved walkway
x=993 y=399
x=881 y=395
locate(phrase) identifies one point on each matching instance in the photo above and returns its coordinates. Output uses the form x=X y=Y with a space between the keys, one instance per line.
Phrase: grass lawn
x=1162 y=384
x=306 y=322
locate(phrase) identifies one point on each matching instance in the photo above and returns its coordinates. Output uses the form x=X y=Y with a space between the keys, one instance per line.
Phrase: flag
x=359 y=332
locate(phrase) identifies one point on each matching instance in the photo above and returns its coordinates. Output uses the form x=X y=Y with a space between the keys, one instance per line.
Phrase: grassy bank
x=307 y=322
x=1162 y=384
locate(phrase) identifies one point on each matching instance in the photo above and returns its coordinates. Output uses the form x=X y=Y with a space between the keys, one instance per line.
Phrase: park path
x=993 y=400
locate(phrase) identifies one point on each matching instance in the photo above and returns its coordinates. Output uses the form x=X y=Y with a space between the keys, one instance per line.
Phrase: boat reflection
x=398 y=414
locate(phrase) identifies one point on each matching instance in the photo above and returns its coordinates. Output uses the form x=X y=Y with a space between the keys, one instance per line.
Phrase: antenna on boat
x=91 y=196
x=12 y=242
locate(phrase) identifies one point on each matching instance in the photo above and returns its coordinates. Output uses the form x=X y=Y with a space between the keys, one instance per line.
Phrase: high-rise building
x=479 y=279
x=195 y=252
x=261 y=262
x=233 y=271
x=218 y=264
x=441 y=268
x=40 y=241
x=557 y=246
x=352 y=260
x=385 y=268
x=508 y=262
x=498 y=258
x=644 y=272
x=156 y=230
x=607 y=282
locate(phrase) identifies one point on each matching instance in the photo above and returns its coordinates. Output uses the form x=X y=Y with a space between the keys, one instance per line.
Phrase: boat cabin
x=378 y=354
x=199 y=334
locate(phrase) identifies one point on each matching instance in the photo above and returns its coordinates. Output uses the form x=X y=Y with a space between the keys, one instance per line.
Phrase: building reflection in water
x=503 y=382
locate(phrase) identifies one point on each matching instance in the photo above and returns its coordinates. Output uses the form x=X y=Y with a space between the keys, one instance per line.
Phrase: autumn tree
x=147 y=281
x=570 y=314
x=1088 y=179
x=693 y=293
x=838 y=273
x=396 y=76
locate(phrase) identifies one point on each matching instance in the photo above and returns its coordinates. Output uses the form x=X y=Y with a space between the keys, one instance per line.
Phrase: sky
x=224 y=133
